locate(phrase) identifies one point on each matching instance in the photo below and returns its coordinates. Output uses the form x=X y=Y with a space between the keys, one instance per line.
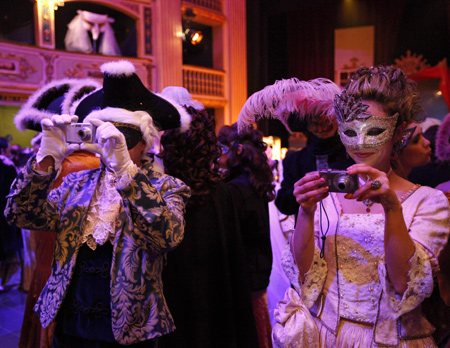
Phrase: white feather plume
x=290 y=98
x=118 y=68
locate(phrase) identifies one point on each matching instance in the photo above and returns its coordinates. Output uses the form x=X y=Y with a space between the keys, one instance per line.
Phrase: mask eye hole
x=350 y=133
x=375 y=131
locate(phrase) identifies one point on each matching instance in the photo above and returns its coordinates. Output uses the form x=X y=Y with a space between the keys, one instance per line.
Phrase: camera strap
x=323 y=235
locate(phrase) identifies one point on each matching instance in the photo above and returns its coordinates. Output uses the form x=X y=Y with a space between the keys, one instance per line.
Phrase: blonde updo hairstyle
x=390 y=87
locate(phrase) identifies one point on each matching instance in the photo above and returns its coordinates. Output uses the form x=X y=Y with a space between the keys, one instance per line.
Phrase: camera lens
x=344 y=182
x=84 y=134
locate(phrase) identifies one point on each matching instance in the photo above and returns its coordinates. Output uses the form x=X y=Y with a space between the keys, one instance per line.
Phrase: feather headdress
x=292 y=101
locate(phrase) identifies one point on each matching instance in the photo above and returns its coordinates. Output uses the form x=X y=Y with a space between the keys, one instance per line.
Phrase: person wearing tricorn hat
x=58 y=97
x=114 y=224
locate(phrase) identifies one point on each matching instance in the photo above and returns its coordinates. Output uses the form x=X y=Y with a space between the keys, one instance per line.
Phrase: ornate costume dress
x=348 y=291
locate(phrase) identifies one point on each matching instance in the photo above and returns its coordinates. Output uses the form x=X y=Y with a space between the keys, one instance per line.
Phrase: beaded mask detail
x=358 y=128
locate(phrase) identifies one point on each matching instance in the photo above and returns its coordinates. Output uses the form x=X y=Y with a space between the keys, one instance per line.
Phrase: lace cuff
x=314 y=279
x=419 y=287
x=290 y=269
x=125 y=179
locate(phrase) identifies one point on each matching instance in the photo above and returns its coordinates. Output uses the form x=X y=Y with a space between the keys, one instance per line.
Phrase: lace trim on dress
x=102 y=218
x=314 y=278
x=419 y=287
x=289 y=268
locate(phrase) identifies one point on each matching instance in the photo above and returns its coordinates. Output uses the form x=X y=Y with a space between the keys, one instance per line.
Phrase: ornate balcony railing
x=207 y=85
x=215 y=5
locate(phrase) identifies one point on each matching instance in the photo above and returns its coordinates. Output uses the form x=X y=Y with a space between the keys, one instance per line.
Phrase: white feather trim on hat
x=304 y=99
x=77 y=102
x=182 y=96
x=80 y=89
x=32 y=111
x=139 y=119
x=118 y=68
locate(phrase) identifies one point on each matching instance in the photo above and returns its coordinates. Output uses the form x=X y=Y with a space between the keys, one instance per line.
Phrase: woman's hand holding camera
x=377 y=189
x=54 y=147
x=111 y=146
x=307 y=191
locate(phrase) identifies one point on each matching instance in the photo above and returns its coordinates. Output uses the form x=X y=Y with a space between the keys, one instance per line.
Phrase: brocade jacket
x=151 y=223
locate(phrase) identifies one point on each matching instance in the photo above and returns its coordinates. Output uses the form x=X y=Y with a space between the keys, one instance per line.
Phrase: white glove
x=111 y=146
x=53 y=141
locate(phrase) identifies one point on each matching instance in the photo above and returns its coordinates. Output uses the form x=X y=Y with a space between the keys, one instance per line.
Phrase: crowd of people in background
x=159 y=233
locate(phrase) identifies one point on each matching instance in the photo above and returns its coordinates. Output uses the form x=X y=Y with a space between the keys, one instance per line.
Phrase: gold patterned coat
x=151 y=224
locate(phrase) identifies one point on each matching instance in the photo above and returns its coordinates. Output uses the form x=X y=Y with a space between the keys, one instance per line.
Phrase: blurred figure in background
x=411 y=151
x=250 y=178
x=10 y=237
x=438 y=312
x=437 y=170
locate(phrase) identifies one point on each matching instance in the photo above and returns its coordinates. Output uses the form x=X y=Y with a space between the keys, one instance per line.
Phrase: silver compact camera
x=339 y=180
x=80 y=133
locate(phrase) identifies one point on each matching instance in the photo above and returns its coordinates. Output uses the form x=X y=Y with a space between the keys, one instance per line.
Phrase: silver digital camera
x=339 y=180
x=80 y=133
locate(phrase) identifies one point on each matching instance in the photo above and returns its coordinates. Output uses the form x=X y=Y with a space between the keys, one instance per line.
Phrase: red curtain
x=440 y=71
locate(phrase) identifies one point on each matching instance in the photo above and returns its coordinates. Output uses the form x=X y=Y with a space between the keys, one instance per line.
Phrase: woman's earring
x=396 y=148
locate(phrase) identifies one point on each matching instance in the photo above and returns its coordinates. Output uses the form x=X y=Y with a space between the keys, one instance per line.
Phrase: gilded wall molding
x=15 y=67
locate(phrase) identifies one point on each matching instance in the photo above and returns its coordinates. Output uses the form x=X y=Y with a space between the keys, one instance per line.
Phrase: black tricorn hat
x=123 y=89
x=56 y=97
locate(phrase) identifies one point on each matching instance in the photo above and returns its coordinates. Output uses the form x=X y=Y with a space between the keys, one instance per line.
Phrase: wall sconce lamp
x=58 y=3
x=52 y=3
x=194 y=37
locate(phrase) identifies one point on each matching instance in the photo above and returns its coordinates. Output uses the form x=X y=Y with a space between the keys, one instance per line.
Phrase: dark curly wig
x=390 y=87
x=192 y=156
x=252 y=160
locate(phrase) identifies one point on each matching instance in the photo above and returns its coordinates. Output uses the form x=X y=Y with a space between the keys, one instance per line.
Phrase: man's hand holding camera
x=54 y=147
x=111 y=146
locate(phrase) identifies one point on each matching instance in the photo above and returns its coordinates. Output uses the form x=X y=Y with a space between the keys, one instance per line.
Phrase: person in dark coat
x=250 y=179
x=205 y=279
x=321 y=152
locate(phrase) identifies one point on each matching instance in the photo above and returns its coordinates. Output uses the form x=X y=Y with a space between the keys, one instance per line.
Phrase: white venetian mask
x=373 y=131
